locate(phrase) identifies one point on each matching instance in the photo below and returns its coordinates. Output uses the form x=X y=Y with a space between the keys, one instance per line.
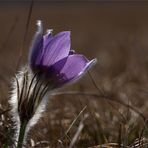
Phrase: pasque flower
x=52 y=57
x=52 y=64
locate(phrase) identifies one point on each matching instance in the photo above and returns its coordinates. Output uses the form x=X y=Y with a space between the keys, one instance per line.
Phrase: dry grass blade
x=96 y=86
x=11 y=30
x=41 y=143
x=108 y=145
x=67 y=131
x=80 y=128
x=25 y=34
x=75 y=120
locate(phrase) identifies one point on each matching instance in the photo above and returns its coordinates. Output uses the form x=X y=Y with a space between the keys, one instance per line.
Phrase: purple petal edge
x=37 y=44
x=86 y=68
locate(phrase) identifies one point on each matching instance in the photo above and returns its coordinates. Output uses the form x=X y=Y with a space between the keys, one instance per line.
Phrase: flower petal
x=87 y=67
x=37 y=45
x=75 y=66
x=47 y=38
x=57 y=49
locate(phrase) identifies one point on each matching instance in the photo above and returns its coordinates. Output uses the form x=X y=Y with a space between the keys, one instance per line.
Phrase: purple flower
x=52 y=58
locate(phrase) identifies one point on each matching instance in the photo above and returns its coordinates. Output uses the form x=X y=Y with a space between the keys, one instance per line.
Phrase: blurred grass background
x=116 y=33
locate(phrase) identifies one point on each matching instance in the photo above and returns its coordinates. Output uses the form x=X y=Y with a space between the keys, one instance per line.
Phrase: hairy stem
x=21 y=137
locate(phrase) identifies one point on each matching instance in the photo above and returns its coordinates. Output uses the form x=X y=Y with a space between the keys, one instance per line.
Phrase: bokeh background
x=114 y=32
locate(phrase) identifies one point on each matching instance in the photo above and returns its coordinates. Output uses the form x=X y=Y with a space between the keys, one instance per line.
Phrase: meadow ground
x=108 y=106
